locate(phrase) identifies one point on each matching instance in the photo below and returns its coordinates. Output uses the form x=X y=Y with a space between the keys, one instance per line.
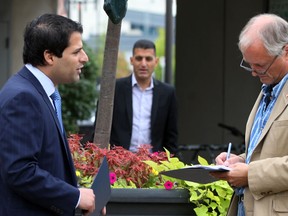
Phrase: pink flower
x=155 y=153
x=168 y=185
x=113 y=178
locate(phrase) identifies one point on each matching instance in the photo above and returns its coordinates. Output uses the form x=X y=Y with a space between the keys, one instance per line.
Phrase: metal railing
x=189 y=153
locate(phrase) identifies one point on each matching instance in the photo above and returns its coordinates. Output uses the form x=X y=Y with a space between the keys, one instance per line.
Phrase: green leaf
x=152 y=164
x=202 y=160
x=203 y=210
x=193 y=195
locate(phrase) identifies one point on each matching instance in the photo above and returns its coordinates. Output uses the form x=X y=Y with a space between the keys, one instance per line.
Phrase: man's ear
x=49 y=57
x=157 y=61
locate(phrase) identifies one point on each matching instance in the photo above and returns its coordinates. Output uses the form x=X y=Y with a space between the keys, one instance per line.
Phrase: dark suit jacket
x=37 y=174
x=164 y=131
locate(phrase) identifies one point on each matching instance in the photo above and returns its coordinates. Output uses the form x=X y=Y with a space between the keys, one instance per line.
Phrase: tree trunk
x=108 y=79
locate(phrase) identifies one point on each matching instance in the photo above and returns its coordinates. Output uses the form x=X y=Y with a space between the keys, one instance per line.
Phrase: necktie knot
x=56 y=98
x=268 y=94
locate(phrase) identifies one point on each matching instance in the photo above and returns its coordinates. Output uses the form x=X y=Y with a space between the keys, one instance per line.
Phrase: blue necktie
x=56 y=98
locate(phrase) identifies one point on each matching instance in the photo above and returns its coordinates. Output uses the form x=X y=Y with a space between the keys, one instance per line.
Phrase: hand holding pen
x=237 y=176
x=227 y=158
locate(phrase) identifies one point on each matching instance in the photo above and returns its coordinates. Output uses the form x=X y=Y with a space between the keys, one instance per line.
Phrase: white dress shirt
x=141 y=123
x=45 y=81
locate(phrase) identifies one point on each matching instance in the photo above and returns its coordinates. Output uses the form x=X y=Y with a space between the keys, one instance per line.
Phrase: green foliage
x=143 y=170
x=79 y=99
x=122 y=63
x=160 y=52
x=210 y=199
x=122 y=66
x=202 y=161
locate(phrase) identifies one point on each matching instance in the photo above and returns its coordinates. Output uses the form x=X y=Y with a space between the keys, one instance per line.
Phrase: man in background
x=145 y=110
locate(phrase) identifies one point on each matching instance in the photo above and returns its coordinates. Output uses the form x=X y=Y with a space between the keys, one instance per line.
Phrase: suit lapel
x=251 y=119
x=128 y=99
x=155 y=102
x=29 y=76
x=279 y=107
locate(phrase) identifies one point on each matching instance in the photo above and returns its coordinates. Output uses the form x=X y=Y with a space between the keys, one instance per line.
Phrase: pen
x=228 y=151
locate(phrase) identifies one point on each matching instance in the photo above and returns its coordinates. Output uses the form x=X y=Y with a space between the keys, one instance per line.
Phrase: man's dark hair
x=144 y=44
x=48 y=32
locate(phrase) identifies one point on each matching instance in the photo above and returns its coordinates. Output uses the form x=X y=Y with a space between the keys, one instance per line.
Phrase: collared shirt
x=141 y=123
x=263 y=113
x=45 y=81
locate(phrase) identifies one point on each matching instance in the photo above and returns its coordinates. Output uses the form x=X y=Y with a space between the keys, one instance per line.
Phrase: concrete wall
x=20 y=16
x=211 y=87
x=4 y=43
x=15 y=14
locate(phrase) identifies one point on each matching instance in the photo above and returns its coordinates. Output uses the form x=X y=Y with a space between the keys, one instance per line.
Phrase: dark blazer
x=164 y=131
x=37 y=174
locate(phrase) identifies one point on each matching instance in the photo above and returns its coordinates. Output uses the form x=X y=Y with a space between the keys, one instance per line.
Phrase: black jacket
x=164 y=132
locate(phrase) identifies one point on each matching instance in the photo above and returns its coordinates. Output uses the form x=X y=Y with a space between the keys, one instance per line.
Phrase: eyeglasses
x=247 y=66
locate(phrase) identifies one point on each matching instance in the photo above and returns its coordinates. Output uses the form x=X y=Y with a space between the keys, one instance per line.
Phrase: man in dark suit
x=37 y=175
x=145 y=110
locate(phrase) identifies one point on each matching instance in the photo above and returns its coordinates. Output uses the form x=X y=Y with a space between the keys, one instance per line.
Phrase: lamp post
x=79 y=3
x=168 y=41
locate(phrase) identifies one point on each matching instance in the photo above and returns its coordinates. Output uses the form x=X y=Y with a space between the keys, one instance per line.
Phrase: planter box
x=152 y=202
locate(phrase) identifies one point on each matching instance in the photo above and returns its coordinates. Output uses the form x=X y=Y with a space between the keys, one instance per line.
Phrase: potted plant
x=140 y=171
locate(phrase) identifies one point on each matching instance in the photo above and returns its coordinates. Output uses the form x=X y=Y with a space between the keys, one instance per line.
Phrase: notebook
x=196 y=173
x=101 y=187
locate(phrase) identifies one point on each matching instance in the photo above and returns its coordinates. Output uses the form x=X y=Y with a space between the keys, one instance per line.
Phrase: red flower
x=125 y=164
x=168 y=185
x=113 y=177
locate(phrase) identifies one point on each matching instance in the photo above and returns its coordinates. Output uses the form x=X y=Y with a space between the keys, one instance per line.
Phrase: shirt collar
x=275 y=89
x=45 y=81
x=134 y=82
